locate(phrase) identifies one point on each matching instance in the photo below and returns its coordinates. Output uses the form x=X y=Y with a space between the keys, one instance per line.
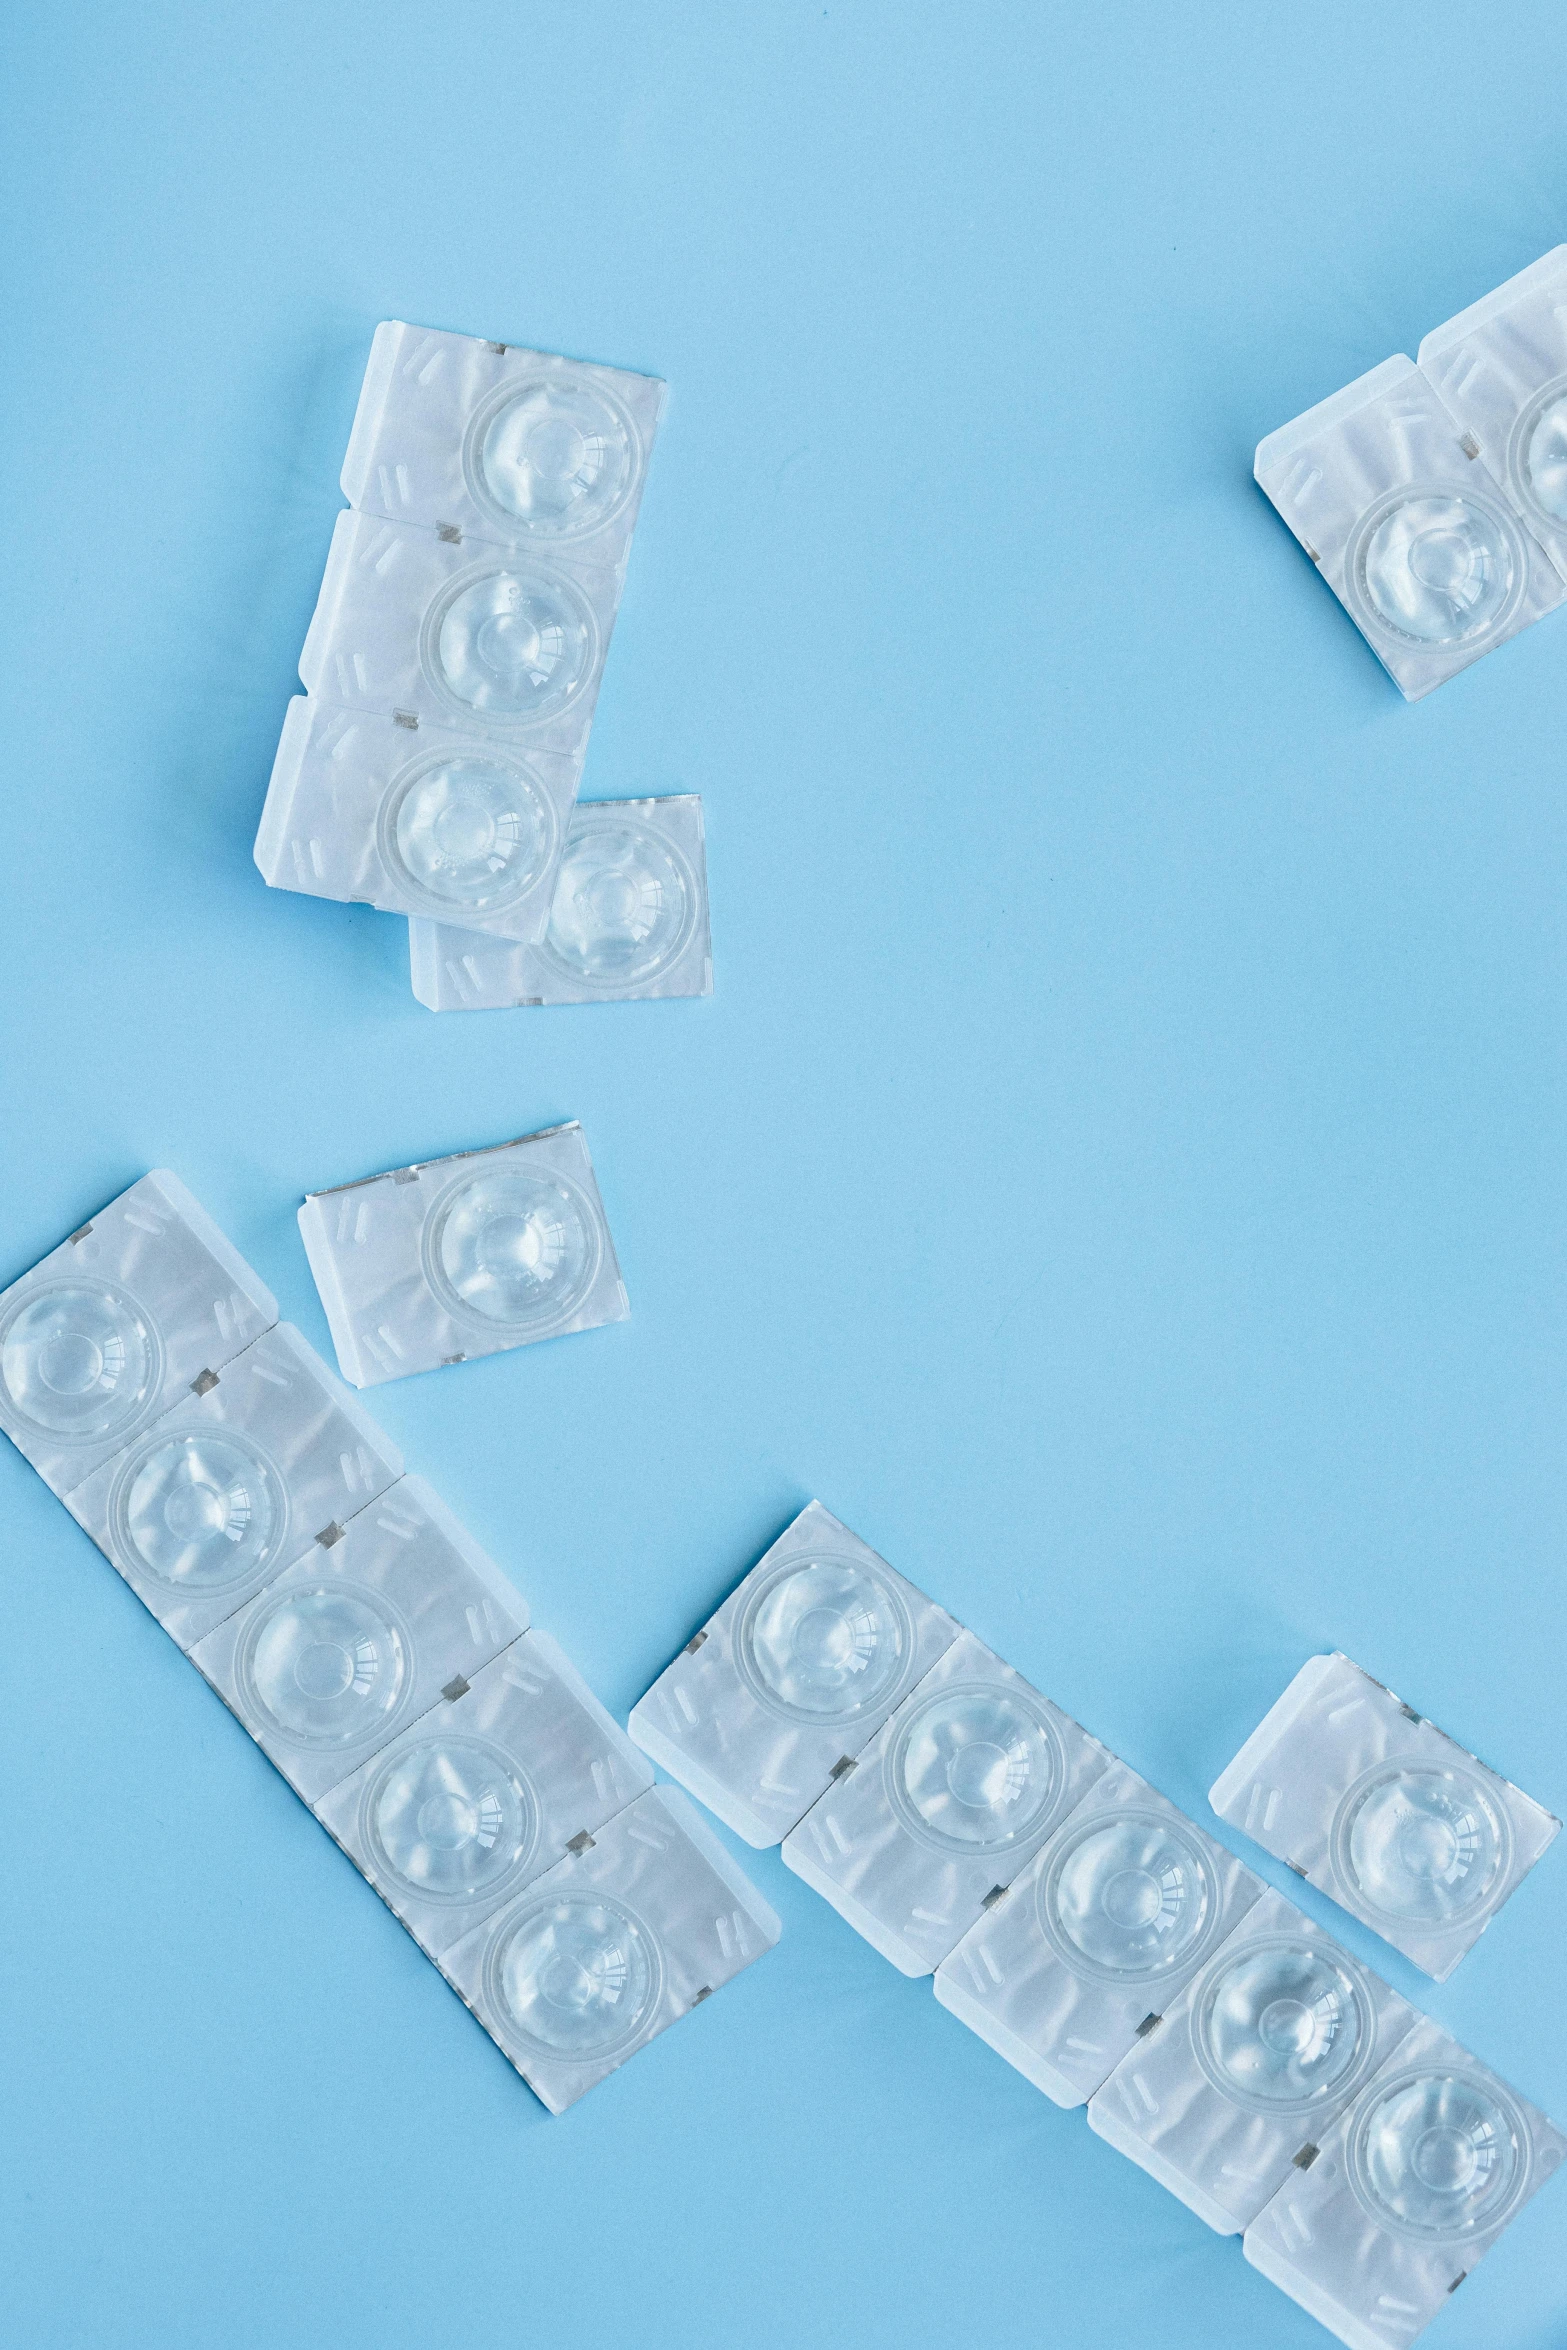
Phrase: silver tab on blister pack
x=951 y=1798
x=335 y=1658
x=1384 y=1812
x=463 y=1256
x=1104 y=1928
x=1410 y=2190
x=1501 y=368
x=615 y=1944
x=233 y=1485
x=1250 y=2065
x=116 y=1323
x=628 y=919
x=798 y=1669
x=485 y=1792
x=1410 y=530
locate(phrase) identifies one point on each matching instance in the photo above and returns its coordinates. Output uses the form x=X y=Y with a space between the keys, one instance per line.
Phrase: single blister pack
x=792 y=1676
x=944 y=1807
x=1244 y=2073
x=112 y=1326
x=1412 y=532
x=430 y=627
x=628 y=919
x=1104 y=1928
x=463 y=1256
x=518 y=446
x=626 y=1935
x=485 y=1792
x=1411 y=2189
x=1382 y=1811
x=1501 y=368
x=416 y=819
x=346 y=1648
x=262 y=1463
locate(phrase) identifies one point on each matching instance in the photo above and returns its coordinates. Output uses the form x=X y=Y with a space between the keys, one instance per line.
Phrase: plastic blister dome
x=516 y=1248
x=1128 y=1898
x=1437 y=2154
x=80 y=1361
x=1283 y=2023
x=575 y=1976
x=624 y=906
x=510 y=644
x=824 y=1639
x=1437 y=567
x=451 y=1818
x=1539 y=456
x=1422 y=1846
x=326 y=1665
x=557 y=456
x=201 y=1509
x=467 y=833
x=975 y=1769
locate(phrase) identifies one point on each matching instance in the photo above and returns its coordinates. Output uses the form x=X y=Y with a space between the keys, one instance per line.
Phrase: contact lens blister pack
x=1501 y=368
x=112 y=1326
x=638 y=1925
x=1104 y=1928
x=1410 y=2190
x=1393 y=502
x=787 y=1682
x=463 y=1256
x=943 y=1808
x=418 y=819
x=258 y=1465
x=347 y=1647
x=628 y=918
x=1244 y=2073
x=1381 y=1810
x=485 y=1792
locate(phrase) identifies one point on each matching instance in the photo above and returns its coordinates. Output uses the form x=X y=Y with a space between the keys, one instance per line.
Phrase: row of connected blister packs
x=1433 y=497
x=1113 y=1951
x=369 y=1646
x=432 y=766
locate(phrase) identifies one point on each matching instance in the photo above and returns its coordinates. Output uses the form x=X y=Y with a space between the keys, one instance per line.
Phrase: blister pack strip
x=628 y=919
x=1361 y=1796
x=1501 y=369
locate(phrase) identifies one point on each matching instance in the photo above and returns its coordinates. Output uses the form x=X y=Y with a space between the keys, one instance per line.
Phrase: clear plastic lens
x=1283 y=2024
x=1423 y=1847
x=515 y=1248
x=1128 y=1897
x=976 y=1769
x=624 y=905
x=468 y=834
x=825 y=1640
x=557 y=456
x=1542 y=454
x=576 y=1977
x=451 y=1818
x=1437 y=568
x=511 y=644
x=326 y=1667
x=1437 y=2154
x=202 y=1510
x=79 y=1360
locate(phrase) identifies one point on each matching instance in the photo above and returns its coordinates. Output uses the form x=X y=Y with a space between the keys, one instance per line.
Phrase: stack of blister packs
x=1434 y=497
x=452 y=666
x=1110 y=1949
x=368 y=1645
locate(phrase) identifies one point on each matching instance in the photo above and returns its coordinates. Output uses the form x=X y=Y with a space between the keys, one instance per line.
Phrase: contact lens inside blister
x=326 y=1666
x=514 y=1247
x=1282 y=2024
x=624 y=906
x=1439 y=568
x=1129 y=1897
x=514 y=645
x=1438 y=2154
x=824 y=1639
x=79 y=1361
x=976 y=1769
x=557 y=457
x=575 y=1977
x=467 y=834
x=1424 y=1847
x=202 y=1510
x=452 y=1818
x=1541 y=459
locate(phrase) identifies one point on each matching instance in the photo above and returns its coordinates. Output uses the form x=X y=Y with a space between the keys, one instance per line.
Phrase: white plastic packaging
x=484 y=1793
x=343 y=1651
x=521 y=447
x=1104 y=1928
x=1501 y=368
x=944 y=1807
x=112 y=1326
x=463 y=1256
x=621 y=1939
x=787 y=1682
x=1247 y=2070
x=1412 y=532
x=261 y=1464
x=416 y=818
x=1411 y=2189
x=628 y=919
x=1382 y=1811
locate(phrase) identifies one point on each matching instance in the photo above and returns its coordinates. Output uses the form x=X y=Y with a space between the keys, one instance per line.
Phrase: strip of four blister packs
x=431 y=768
x=1115 y=1953
x=372 y=1650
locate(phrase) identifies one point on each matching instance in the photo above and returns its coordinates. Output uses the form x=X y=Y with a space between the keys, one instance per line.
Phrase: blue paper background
x=1120 y=1170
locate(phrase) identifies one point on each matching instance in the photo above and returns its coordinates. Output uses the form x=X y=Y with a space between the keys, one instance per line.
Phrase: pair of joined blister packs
x=1433 y=496
x=1104 y=1944
x=431 y=768
x=372 y=1650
